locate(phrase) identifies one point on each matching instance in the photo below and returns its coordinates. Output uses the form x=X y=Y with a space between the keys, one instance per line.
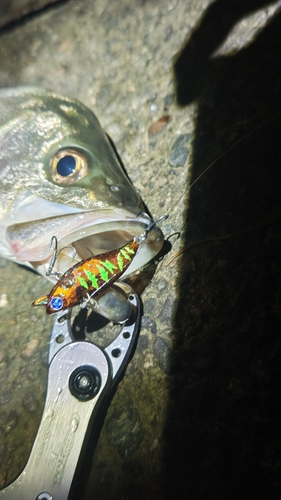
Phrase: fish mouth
x=81 y=235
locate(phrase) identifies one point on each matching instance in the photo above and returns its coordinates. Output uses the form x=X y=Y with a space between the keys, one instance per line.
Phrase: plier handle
x=82 y=377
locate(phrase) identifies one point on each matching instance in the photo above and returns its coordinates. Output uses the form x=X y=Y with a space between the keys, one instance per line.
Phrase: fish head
x=61 y=177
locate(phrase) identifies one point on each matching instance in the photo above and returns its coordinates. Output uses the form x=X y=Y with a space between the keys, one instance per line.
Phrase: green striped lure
x=90 y=277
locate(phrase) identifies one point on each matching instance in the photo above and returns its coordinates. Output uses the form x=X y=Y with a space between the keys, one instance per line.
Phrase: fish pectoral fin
x=41 y=302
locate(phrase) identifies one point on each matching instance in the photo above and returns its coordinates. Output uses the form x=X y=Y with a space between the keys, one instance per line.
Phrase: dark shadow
x=23 y=14
x=222 y=437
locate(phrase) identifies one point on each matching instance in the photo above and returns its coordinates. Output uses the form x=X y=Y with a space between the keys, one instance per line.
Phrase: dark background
x=222 y=438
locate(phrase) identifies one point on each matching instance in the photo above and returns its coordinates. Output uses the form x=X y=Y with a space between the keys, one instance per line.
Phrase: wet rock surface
x=125 y=430
x=197 y=412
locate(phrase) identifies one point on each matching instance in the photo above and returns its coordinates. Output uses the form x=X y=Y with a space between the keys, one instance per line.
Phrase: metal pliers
x=82 y=379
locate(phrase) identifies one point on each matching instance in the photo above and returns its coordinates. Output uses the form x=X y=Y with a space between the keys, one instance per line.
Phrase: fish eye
x=68 y=166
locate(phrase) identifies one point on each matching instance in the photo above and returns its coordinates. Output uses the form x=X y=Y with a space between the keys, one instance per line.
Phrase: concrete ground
x=196 y=415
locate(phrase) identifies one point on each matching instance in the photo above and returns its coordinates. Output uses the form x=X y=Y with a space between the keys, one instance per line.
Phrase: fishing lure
x=90 y=277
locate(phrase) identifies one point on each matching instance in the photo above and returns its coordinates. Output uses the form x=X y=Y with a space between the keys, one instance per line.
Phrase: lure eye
x=68 y=166
x=56 y=303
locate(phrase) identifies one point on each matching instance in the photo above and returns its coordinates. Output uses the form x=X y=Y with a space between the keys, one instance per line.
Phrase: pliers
x=82 y=379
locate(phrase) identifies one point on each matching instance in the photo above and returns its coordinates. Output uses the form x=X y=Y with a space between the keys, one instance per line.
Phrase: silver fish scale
x=97 y=209
x=34 y=125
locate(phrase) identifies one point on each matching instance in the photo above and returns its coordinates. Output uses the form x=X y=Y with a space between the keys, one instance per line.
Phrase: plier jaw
x=82 y=379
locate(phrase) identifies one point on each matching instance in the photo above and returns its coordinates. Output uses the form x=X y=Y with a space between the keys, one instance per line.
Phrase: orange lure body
x=88 y=278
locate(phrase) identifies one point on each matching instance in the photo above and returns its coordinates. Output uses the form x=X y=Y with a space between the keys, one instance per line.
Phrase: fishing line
x=225 y=153
x=231 y=235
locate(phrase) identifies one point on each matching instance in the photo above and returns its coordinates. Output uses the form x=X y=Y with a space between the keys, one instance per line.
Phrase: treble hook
x=54 y=246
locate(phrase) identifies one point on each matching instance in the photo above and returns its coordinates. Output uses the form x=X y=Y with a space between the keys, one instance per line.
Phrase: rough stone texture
x=13 y=10
x=205 y=395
